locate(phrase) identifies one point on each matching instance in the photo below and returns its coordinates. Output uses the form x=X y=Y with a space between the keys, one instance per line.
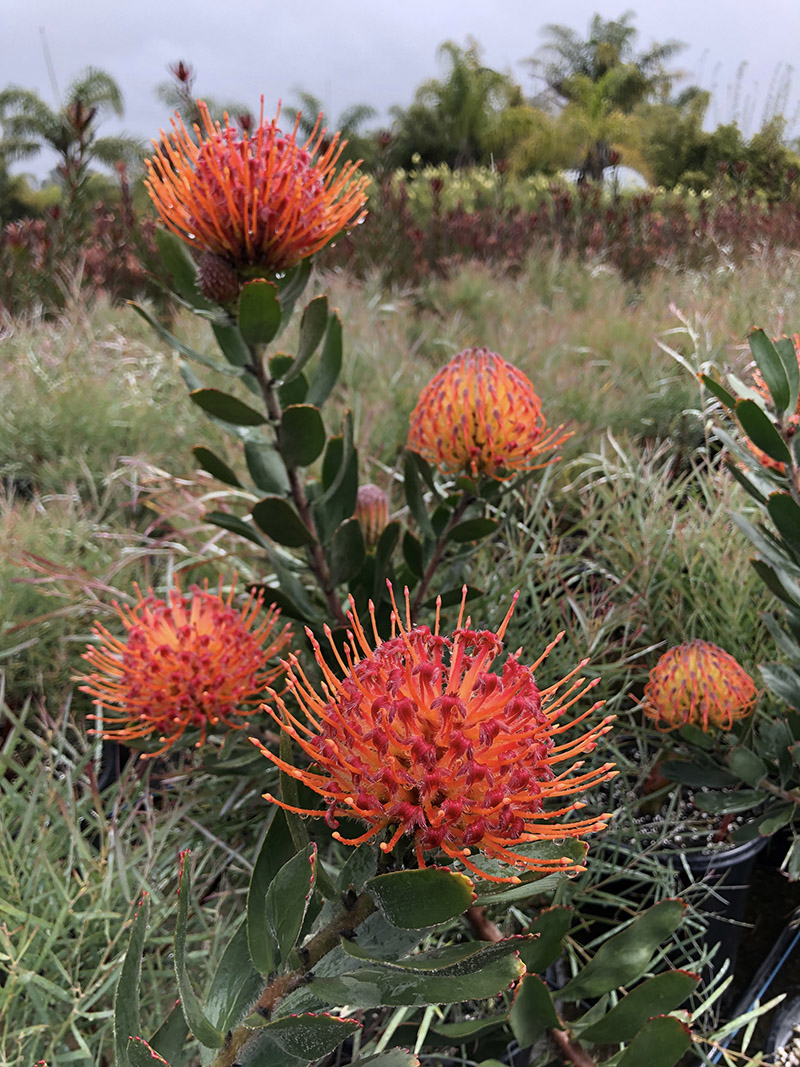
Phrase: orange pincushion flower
x=791 y=421
x=191 y=662
x=256 y=199
x=698 y=683
x=419 y=736
x=480 y=415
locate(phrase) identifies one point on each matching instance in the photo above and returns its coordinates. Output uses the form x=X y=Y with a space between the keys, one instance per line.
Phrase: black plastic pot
x=727 y=872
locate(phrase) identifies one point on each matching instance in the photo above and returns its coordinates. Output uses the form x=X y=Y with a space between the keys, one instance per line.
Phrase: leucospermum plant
x=450 y=782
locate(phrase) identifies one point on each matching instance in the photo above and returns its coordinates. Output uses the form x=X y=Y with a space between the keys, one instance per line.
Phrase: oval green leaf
x=785 y=513
x=276 y=850
x=181 y=268
x=266 y=468
x=425 y=897
x=309 y=1036
x=312 y=330
x=655 y=996
x=770 y=364
x=473 y=530
x=347 y=551
x=761 y=430
x=288 y=898
x=330 y=363
x=279 y=520
x=532 y=1012
x=660 y=1043
x=259 y=312
x=302 y=435
x=215 y=466
x=226 y=407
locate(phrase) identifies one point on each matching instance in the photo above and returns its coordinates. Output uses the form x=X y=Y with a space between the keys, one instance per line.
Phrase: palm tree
x=349 y=123
x=29 y=124
x=602 y=79
x=449 y=120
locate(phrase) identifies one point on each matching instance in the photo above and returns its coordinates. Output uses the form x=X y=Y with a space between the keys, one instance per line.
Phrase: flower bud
x=372 y=511
x=217 y=279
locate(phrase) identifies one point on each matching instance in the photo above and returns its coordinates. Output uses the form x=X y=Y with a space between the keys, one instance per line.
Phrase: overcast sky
x=371 y=51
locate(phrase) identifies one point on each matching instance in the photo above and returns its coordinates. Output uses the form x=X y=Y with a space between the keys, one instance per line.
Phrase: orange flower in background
x=700 y=684
x=256 y=199
x=791 y=421
x=193 y=661
x=420 y=737
x=481 y=416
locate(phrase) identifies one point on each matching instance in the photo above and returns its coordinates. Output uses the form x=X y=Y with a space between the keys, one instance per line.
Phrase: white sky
x=371 y=51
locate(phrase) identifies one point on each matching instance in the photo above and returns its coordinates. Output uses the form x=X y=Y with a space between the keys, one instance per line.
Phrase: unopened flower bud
x=372 y=511
x=217 y=279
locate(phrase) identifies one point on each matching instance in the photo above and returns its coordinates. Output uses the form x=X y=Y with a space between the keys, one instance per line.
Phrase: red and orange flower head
x=791 y=422
x=193 y=661
x=481 y=416
x=699 y=684
x=256 y=198
x=421 y=739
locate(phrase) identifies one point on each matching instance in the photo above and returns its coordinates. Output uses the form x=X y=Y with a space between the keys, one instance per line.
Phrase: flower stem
x=281 y=985
x=438 y=550
x=316 y=556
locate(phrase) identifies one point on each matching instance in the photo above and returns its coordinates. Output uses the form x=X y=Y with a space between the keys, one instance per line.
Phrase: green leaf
x=783 y=681
x=293 y=392
x=180 y=346
x=395 y=1057
x=215 y=466
x=770 y=363
x=418 y=898
x=232 y=345
x=312 y=330
x=201 y=1027
x=444 y=976
x=532 y=1012
x=139 y=1054
x=695 y=775
x=473 y=530
x=170 y=1038
x=330 y=364
x=788 y=354
x=259 y=312
x=761 y=430
x=127 y=1022
x=569 y=849
x=235 y=986
x=549 y=927
x=291 y=287
x=276 y=850
x=347 y=551
x=181 y=268
x=458 y=1032
x=266 y=468
x=413 y=554
x=415 y=497
x=237 y=526
x=340 y=477
x=782 y=816
x=302 y=435
x=717 y=390
x=309 y=1036
x=627 y=955
x=288 y=898
x=360 y=866
x=654 y=996
x=746 y=765
x=226 y=407
x=279 y=520
x=728 y=803
x=785 y=513
x=660 y=1043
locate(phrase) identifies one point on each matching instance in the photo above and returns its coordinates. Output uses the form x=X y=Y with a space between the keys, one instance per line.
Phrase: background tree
x=451 y=120
x=29 y=124
x=359 y=145
x=602 y=78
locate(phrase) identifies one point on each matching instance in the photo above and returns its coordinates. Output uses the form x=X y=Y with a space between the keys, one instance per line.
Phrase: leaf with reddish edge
x=770 y=364
x=196 y=1020
x=627 y=955
x=761 y=430
x=532 y=1012
x=139 y=1054
x=126 y=997
x=309 y=1036
x=419 y=898
x=655 y=996
x=660 y=1043
x=288 y=898
x=549 y=928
